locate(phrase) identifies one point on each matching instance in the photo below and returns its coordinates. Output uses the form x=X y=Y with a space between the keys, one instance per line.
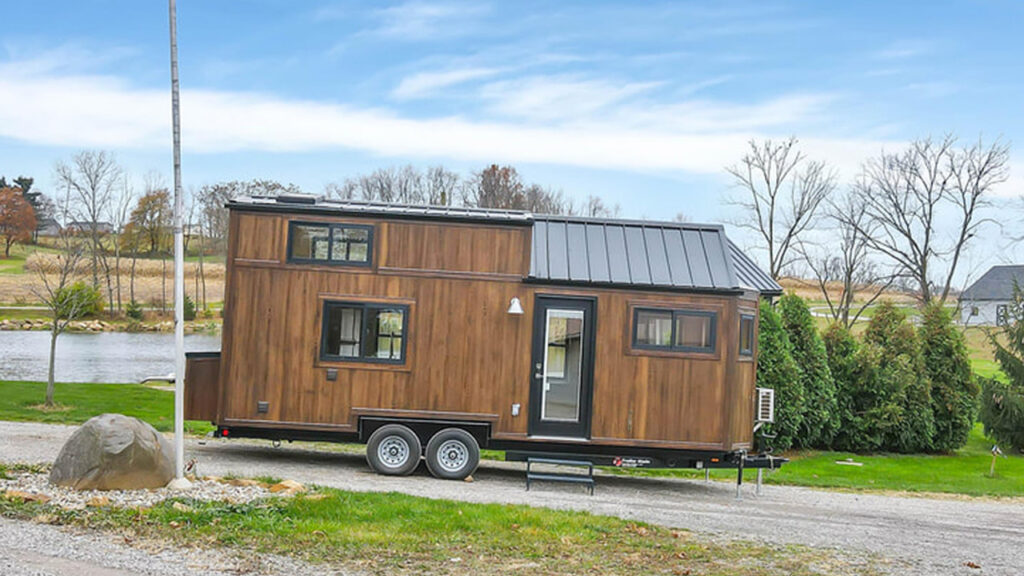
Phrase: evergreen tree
x=953 y=389
x=895 y=361
x=820 y=416
x=776 y=369
x=1002 y=403
x=842 y=351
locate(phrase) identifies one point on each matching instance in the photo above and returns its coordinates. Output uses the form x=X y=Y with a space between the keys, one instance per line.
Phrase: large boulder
x=114 y=452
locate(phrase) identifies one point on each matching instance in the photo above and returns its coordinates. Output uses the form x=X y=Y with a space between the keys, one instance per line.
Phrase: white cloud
x=44 y=108
x=424 y=84
x=904 y=49
x=547 y=98
x=418 y=20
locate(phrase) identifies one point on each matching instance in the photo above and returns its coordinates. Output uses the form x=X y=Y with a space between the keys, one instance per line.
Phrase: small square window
x=364 y=332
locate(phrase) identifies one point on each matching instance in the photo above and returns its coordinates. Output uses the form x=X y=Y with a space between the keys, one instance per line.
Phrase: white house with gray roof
x=985 y=303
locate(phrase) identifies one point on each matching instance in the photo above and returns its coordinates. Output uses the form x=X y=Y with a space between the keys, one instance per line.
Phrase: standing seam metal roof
x=642 y=253
x=996 y=284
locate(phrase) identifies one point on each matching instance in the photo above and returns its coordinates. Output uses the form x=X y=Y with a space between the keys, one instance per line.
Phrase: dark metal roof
x=750 y=275
x=679 y=256
x=996 y=284
x=310 y=204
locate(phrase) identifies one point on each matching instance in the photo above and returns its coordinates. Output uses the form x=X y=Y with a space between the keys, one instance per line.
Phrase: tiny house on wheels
x=432 y=332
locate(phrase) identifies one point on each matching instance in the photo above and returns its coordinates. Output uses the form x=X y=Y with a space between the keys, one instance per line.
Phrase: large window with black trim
x=323 y=243
x=674 y=330
x=364 y=332
x=747 y=334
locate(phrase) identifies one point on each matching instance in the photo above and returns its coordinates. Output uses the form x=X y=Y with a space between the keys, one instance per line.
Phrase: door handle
x=538 y=375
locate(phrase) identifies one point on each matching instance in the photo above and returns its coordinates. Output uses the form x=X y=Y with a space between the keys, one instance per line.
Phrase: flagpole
x=179 y=269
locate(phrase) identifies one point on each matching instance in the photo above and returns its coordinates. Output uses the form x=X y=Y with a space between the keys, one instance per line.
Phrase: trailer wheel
x=452 y=454
x=393 y=450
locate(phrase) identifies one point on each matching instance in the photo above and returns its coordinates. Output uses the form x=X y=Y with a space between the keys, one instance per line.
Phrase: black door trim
x=588 y=305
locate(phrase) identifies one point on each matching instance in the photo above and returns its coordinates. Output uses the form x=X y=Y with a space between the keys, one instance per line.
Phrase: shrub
x=953 y=389
x=78 y=300
x=820 y=418
x=892 y=358
x=776 y=369
x=190 y=309
x=134 y=310
x=1002 y=403
x=842 y=351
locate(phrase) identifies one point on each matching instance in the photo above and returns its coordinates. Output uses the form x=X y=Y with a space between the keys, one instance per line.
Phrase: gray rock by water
x=114 y=452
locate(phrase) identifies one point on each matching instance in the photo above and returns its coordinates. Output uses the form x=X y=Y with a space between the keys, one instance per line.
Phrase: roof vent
x=297 y=199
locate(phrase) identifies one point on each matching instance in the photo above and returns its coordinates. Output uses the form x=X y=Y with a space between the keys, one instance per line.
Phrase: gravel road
x=905 y=535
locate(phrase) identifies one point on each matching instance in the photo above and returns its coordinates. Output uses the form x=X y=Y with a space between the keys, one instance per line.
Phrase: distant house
x=986 y=302
x=83 y=227
x=48 y=227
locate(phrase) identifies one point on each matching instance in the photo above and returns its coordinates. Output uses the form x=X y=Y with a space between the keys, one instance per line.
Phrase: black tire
x=393 y=450
x=452 y=454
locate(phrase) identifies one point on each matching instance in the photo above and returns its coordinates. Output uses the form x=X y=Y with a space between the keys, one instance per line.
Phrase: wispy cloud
x=421 y=20
x=904 y=50
x=558 y=98
x=108 y=112
x=424 y=84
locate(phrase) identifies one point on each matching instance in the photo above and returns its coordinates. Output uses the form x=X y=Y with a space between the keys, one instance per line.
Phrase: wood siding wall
x=465 y=354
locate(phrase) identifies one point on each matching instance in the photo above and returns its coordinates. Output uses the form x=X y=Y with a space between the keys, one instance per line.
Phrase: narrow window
x=746 y=334
x=674 y=330
x=364 y=332
x=344 y=244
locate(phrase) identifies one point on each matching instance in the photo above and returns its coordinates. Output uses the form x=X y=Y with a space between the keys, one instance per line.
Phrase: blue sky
x=640 y=103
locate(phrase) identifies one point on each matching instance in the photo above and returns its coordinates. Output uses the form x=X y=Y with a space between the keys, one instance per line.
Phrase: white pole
x=179 y=268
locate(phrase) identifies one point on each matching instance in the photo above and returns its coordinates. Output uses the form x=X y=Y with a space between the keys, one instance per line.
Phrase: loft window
x=344 y=244
x=674 y=330
x=746 y=334
x=364 y=332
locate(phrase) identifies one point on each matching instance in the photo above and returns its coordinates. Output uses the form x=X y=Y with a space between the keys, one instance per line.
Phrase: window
x=674 y=330
x=345 y=244
x=746 y=334
x=974 y=310
x=364 y=332
x=1002 y=315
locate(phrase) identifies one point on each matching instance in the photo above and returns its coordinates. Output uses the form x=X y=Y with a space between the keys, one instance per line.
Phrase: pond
x=94 y=357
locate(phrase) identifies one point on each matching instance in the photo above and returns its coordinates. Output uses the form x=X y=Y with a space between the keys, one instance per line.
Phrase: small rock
x=98 y=502
x=242 y=482
x=181 y=507
x=26 y=496
x=287 y=487
x=468 y=478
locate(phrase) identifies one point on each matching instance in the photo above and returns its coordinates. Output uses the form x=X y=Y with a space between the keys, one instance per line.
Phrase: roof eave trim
x=526 y=221
x=639 y=287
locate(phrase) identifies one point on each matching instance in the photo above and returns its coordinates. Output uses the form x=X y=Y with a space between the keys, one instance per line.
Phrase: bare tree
x=440 y=185
x=119 y=219
x=54 y=291
x=910 y=195
x=782 y=191
x=495 y=187
x=846 y=268
x=90 y=179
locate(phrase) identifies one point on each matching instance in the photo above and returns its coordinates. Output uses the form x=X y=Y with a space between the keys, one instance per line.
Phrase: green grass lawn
x=964 y=472
x=19 y=253
x=76 y=403
x=388 y=533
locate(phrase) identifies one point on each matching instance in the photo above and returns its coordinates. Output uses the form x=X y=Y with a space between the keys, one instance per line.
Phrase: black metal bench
x=587 y=479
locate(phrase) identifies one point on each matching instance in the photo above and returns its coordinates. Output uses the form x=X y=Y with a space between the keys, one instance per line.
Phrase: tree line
x=905 y=220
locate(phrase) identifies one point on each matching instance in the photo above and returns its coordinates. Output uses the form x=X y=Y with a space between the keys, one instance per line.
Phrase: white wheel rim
x=393 y=451
x=452 y=455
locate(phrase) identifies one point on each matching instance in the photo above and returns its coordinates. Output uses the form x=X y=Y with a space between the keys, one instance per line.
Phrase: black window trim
x=748 y=352
x=712 y=349
x=364 y=306
x=331 y=226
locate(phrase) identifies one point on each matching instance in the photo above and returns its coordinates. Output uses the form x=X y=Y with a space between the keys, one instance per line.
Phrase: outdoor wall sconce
x=515 y=307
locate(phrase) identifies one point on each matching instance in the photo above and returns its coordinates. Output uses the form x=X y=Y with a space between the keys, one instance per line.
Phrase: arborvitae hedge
x=842 y=352
x=820 y=417
x=776 y=369
x=953 y=388
x=901 y=373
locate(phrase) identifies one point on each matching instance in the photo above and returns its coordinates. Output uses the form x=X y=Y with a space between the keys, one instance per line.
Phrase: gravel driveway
x=909 y=535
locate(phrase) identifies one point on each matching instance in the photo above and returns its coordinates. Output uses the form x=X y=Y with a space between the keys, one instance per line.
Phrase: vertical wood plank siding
x=465 y=353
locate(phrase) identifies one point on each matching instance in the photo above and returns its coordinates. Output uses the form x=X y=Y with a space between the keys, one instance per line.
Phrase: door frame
x=541 y=303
